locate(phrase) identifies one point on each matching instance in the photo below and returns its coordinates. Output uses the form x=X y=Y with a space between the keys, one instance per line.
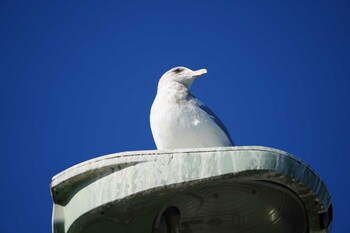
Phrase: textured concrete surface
x=125 y=191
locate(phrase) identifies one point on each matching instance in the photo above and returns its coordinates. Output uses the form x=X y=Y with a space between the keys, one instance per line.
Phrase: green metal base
x=226 y=189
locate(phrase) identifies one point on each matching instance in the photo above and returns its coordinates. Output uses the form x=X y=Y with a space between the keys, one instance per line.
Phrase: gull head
x=181 y=75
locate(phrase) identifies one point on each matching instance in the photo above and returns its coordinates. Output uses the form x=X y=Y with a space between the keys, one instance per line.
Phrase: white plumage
x=180 y=120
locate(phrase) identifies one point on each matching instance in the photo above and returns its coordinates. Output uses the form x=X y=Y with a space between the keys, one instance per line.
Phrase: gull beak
x=198 y=73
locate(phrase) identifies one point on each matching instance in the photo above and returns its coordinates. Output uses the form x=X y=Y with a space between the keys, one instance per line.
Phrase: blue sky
x=78 y=79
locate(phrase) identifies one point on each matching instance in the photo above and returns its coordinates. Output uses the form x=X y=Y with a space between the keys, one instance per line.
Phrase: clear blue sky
x=78 y=79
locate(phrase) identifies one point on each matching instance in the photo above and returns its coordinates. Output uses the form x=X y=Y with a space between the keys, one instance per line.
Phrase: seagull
x=179 y=120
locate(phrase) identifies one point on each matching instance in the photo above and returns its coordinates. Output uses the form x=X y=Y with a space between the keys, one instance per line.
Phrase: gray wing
x=214 y=117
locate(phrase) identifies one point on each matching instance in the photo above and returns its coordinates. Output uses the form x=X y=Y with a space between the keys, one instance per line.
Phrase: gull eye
x=178 y=70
